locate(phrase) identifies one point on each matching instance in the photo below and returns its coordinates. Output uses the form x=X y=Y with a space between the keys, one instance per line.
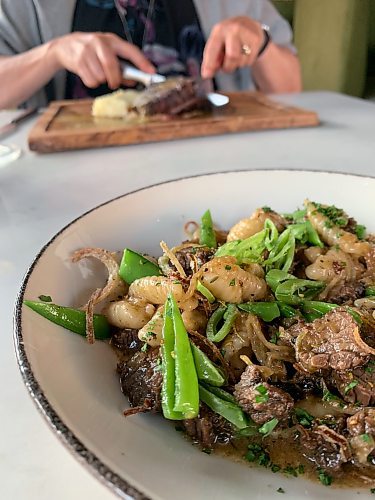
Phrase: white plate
x=75 y=385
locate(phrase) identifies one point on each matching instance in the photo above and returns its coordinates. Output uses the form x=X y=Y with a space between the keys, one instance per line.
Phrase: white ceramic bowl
x=75 y=385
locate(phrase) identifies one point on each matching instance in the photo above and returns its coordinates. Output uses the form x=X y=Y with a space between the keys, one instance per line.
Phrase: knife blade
x=10 y=127
x=131 y=73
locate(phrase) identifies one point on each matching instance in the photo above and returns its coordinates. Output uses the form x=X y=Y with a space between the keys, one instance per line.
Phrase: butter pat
x=119 y=104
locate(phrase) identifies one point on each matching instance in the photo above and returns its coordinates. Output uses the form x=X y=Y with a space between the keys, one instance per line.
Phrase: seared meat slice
x=192 y=258
x=324 y=447
x=171 y=97
x=262 y=401
x=361 y=427
x=362 y=422
x=141 y=379
x=355 y=386
x=208 y=428
x=347 y=293
x=126 y=340
x=332 y=342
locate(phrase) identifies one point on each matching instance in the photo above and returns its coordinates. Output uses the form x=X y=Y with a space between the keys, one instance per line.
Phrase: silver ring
x=246 y=49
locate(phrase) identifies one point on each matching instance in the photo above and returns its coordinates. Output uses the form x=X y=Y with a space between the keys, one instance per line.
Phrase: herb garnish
x=228 y=267
x=232 y=282
x=268 y=427
x=263 y=391
x=303 y=417
x=324 y=478
x=351 y=386
x=280 y=490
x=257 y=454
x=45 y=298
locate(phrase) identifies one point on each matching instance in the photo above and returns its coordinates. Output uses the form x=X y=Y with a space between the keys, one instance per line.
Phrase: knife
x=131 y=73
x=10 y=127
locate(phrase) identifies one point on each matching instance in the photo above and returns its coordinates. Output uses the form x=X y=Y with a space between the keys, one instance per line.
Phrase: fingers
x=224 y=47
x=213 y=54
x=131 y=53
x=109 y=63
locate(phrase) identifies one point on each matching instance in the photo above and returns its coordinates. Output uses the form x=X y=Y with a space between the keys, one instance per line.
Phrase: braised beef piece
x=172 y=97
x=347 y=293
x=126 y=340
x=262 y=401
x=362 y=422
x=141 y=379
x=208 y=428
x=324 y=447
x=355 y=386
x=193 y=258
x=330 y=343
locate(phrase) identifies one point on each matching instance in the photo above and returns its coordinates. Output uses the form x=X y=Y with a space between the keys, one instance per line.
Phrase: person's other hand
x=94 y=57
x=228 y=43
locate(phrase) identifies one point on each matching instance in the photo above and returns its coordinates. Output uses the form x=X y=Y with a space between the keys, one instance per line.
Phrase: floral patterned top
x=168 y=32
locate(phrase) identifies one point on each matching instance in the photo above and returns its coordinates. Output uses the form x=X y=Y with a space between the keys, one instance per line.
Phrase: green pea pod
x=229 y=411
x=282 y=254
x=205 y=292
x=168 y=366
x=186 y=380
x=71 y=319
x=228 y=314
x=268 y=311
x=275 y=277
x=207 y=234
x=220 y=393
x=206 y=369
x=295 y=291
x=134 y=266
x=313 y=309
x=287 y=311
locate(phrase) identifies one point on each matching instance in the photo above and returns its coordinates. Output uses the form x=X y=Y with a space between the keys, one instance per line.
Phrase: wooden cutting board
x=67 y=125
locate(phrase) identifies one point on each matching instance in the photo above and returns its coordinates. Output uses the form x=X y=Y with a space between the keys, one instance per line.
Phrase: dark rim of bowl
x=81 y=452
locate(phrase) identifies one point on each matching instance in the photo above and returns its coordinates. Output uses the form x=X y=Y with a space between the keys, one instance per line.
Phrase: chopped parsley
x=263 y=394
x=257 y=454
x=369 y=368
x=268 y=427
x=208 y=451
x=228 y=268
x=232 y=282
x=324 y=478
x=360 y=231
x=176 y=282
x=337 y=216
x=372 y=491
x=266 y=209
x=367 y=438
x=351 y=386
x=303 y=417
x=275 y=468
x=280 y=490
x=275 y=337
x=45 y=298
x=144 y=347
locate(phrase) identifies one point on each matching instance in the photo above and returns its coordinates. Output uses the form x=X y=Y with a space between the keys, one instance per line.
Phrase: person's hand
x=94 y=57
x=233 y=43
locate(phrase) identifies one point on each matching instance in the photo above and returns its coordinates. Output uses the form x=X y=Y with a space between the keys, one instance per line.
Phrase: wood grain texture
x=67 y=125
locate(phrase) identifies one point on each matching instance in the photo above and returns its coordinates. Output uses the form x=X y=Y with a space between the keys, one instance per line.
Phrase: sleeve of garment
x=280 y=30
x=18 y=27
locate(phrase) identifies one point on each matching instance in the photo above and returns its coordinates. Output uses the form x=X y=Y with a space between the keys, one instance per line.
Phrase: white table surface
x=40 y=194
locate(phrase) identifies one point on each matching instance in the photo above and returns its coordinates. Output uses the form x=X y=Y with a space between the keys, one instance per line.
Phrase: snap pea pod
x=268 y=311
x=228 y=314
x=295 y=291
x=287 y=311
x=206 y=369
x=207 y=234
x=219 y=392
x=229 y=411
x=205 y=292
x=314 y=309
x=186 y=380
x=168 y=367
x=71 y=319
x=134 y=266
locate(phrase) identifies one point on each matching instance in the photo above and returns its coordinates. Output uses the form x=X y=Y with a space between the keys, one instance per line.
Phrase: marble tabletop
x=40 y=194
